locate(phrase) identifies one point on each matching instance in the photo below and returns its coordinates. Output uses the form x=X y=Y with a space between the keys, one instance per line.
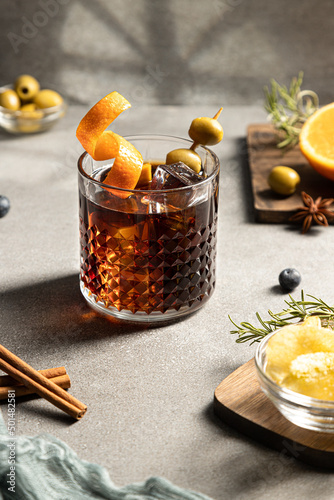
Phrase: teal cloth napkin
x=48 y=469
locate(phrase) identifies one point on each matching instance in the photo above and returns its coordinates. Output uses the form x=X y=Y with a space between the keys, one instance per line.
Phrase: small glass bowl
x=17 y=122
x=304 y=411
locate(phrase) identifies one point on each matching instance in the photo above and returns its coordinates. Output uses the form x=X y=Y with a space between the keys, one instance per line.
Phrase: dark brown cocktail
x=149 y=254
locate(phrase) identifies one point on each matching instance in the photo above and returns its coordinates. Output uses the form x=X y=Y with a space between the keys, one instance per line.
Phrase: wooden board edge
x=287 y=447
x=272 y=212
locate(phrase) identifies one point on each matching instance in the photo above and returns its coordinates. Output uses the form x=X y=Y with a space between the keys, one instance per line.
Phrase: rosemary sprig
x=296 y=311
x=289 y=108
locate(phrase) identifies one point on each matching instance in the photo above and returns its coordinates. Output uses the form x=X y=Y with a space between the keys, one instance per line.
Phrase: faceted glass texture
x=147 y=255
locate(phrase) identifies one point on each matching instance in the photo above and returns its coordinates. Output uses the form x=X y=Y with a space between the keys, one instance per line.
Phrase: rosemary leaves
x=289 y=108
x=297 y=310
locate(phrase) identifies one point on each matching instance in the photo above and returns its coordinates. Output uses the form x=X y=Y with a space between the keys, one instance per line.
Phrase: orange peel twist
x=103 y=144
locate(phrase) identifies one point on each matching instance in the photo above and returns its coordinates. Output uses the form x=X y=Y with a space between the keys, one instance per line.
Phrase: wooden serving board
x=240 y=402
x=263 y=155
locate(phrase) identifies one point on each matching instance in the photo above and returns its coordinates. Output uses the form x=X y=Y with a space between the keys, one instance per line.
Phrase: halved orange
x=98 y=118
x=316 y=141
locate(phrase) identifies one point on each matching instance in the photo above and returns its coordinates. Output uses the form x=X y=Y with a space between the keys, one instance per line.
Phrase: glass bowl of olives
x=25 y=108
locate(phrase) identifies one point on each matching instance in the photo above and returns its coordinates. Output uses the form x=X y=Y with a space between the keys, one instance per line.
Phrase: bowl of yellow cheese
x=295 y=369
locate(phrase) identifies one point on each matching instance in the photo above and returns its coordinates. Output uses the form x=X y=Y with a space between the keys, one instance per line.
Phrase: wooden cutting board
x=263 y=155
x=239 y=402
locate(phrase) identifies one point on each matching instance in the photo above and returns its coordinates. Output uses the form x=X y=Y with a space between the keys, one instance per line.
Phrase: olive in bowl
x=26 y=109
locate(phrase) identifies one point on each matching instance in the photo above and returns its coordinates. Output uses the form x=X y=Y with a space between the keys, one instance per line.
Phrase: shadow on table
x=55 y=312
x=7 y=136
x=279 y=457
x=245 y=179
x=38 y=411
x=53 y=317
x=259 y=466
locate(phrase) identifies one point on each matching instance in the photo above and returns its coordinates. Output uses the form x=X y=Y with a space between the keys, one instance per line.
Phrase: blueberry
x=289 y=279
x=4 y=206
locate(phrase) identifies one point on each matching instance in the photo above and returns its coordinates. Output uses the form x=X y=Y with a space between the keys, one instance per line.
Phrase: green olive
x=26 y=87
x=47 y=99
x=30 y=127
x=31 y=106
x=283 y=180
x=10 y=100
x=206 y=131
x=187 y=156
x=31 y=111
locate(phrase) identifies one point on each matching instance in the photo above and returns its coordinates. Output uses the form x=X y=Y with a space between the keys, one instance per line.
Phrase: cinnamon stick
x=31 y=378
x=6 y=380
x=20 y=390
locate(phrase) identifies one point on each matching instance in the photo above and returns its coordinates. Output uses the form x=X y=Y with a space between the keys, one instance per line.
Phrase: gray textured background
x=168 y=51
x=152 y=414
x=149 y=391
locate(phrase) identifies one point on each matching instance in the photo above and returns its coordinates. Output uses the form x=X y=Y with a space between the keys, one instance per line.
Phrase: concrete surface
x=149 y=391
x=168 y=51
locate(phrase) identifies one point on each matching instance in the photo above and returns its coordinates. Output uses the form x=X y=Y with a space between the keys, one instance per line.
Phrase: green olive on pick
x=187 y=156
x=206 y=131
x=283 y=180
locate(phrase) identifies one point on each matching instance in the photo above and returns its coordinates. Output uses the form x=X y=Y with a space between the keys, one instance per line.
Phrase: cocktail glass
x=148 y=255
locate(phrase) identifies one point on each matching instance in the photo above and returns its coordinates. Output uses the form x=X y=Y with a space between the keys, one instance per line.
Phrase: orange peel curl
x=102 y=144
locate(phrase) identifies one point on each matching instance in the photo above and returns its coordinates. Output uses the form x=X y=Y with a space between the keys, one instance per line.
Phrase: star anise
x=313 y=211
